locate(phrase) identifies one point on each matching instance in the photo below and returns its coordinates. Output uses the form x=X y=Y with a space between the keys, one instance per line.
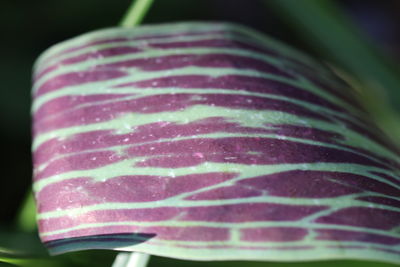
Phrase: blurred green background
x=29 y=27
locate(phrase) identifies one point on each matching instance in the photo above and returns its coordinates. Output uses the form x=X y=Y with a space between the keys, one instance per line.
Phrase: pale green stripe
x=104 y=86
x=141 y=44
x=245 y=172
x=153 y=53
x=283 y=61
x=118 y=32
x=173 y=28
x=131 y=43
x=124 y=123
x=232 y=225
x=336 y=204
x=246 y=118
x=316 y=253
x=238 y=253
x=242 y=39
x=120 y=148
x=146 y=92
x=271 y=244
x=121 y=168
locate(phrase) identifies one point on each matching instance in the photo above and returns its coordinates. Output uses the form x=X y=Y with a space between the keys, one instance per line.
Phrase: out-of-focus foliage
x=337 y=39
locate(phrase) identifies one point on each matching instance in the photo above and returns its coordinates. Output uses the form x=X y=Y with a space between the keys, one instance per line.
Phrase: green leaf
x=207 y=141
x=329 y=31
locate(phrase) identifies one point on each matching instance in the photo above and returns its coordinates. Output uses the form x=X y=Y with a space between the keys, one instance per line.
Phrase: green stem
x=136 y=13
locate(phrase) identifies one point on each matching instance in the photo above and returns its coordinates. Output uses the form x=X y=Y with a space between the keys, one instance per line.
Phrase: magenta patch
x=168 y=102
x=125 y=189
x=233 y=82
x=345 y=235
x=273 y=234
x=207 y=60
x=163 y=130
x=84 y=161
x=244 y=150
x=65 y=103
x=363 y=217
x=319 y=184
x=78 y=78
x=250 y=212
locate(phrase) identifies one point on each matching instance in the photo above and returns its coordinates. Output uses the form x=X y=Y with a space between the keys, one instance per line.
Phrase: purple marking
x=250 y=212
x=391 y=164
x=183 y=153
x=243 y=150
x=363 y=217
x=223 y=213
x=112 y=70
x=291 y=184
x=65 y=103
x=216 y=42
x=101 y=216
x=308 y=133
x=188 y=233
x=87 y=45
x=168 y=102
x=78 y=78
x=389 y=178
x=320 y=184
x=103 y=53
x=83 y=161
x=230 y=43
x=163 y=130
x=122 y=50
x=205 y=60
x=234 y=82
x=76 y=143
x=273 y=234
x=95 y=43
x=365 y=237
x=78 y=192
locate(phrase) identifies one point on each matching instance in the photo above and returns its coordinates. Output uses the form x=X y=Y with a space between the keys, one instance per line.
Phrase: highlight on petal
x=207 y=141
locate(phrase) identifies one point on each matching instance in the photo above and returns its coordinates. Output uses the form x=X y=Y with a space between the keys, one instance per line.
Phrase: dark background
x=29 y=27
